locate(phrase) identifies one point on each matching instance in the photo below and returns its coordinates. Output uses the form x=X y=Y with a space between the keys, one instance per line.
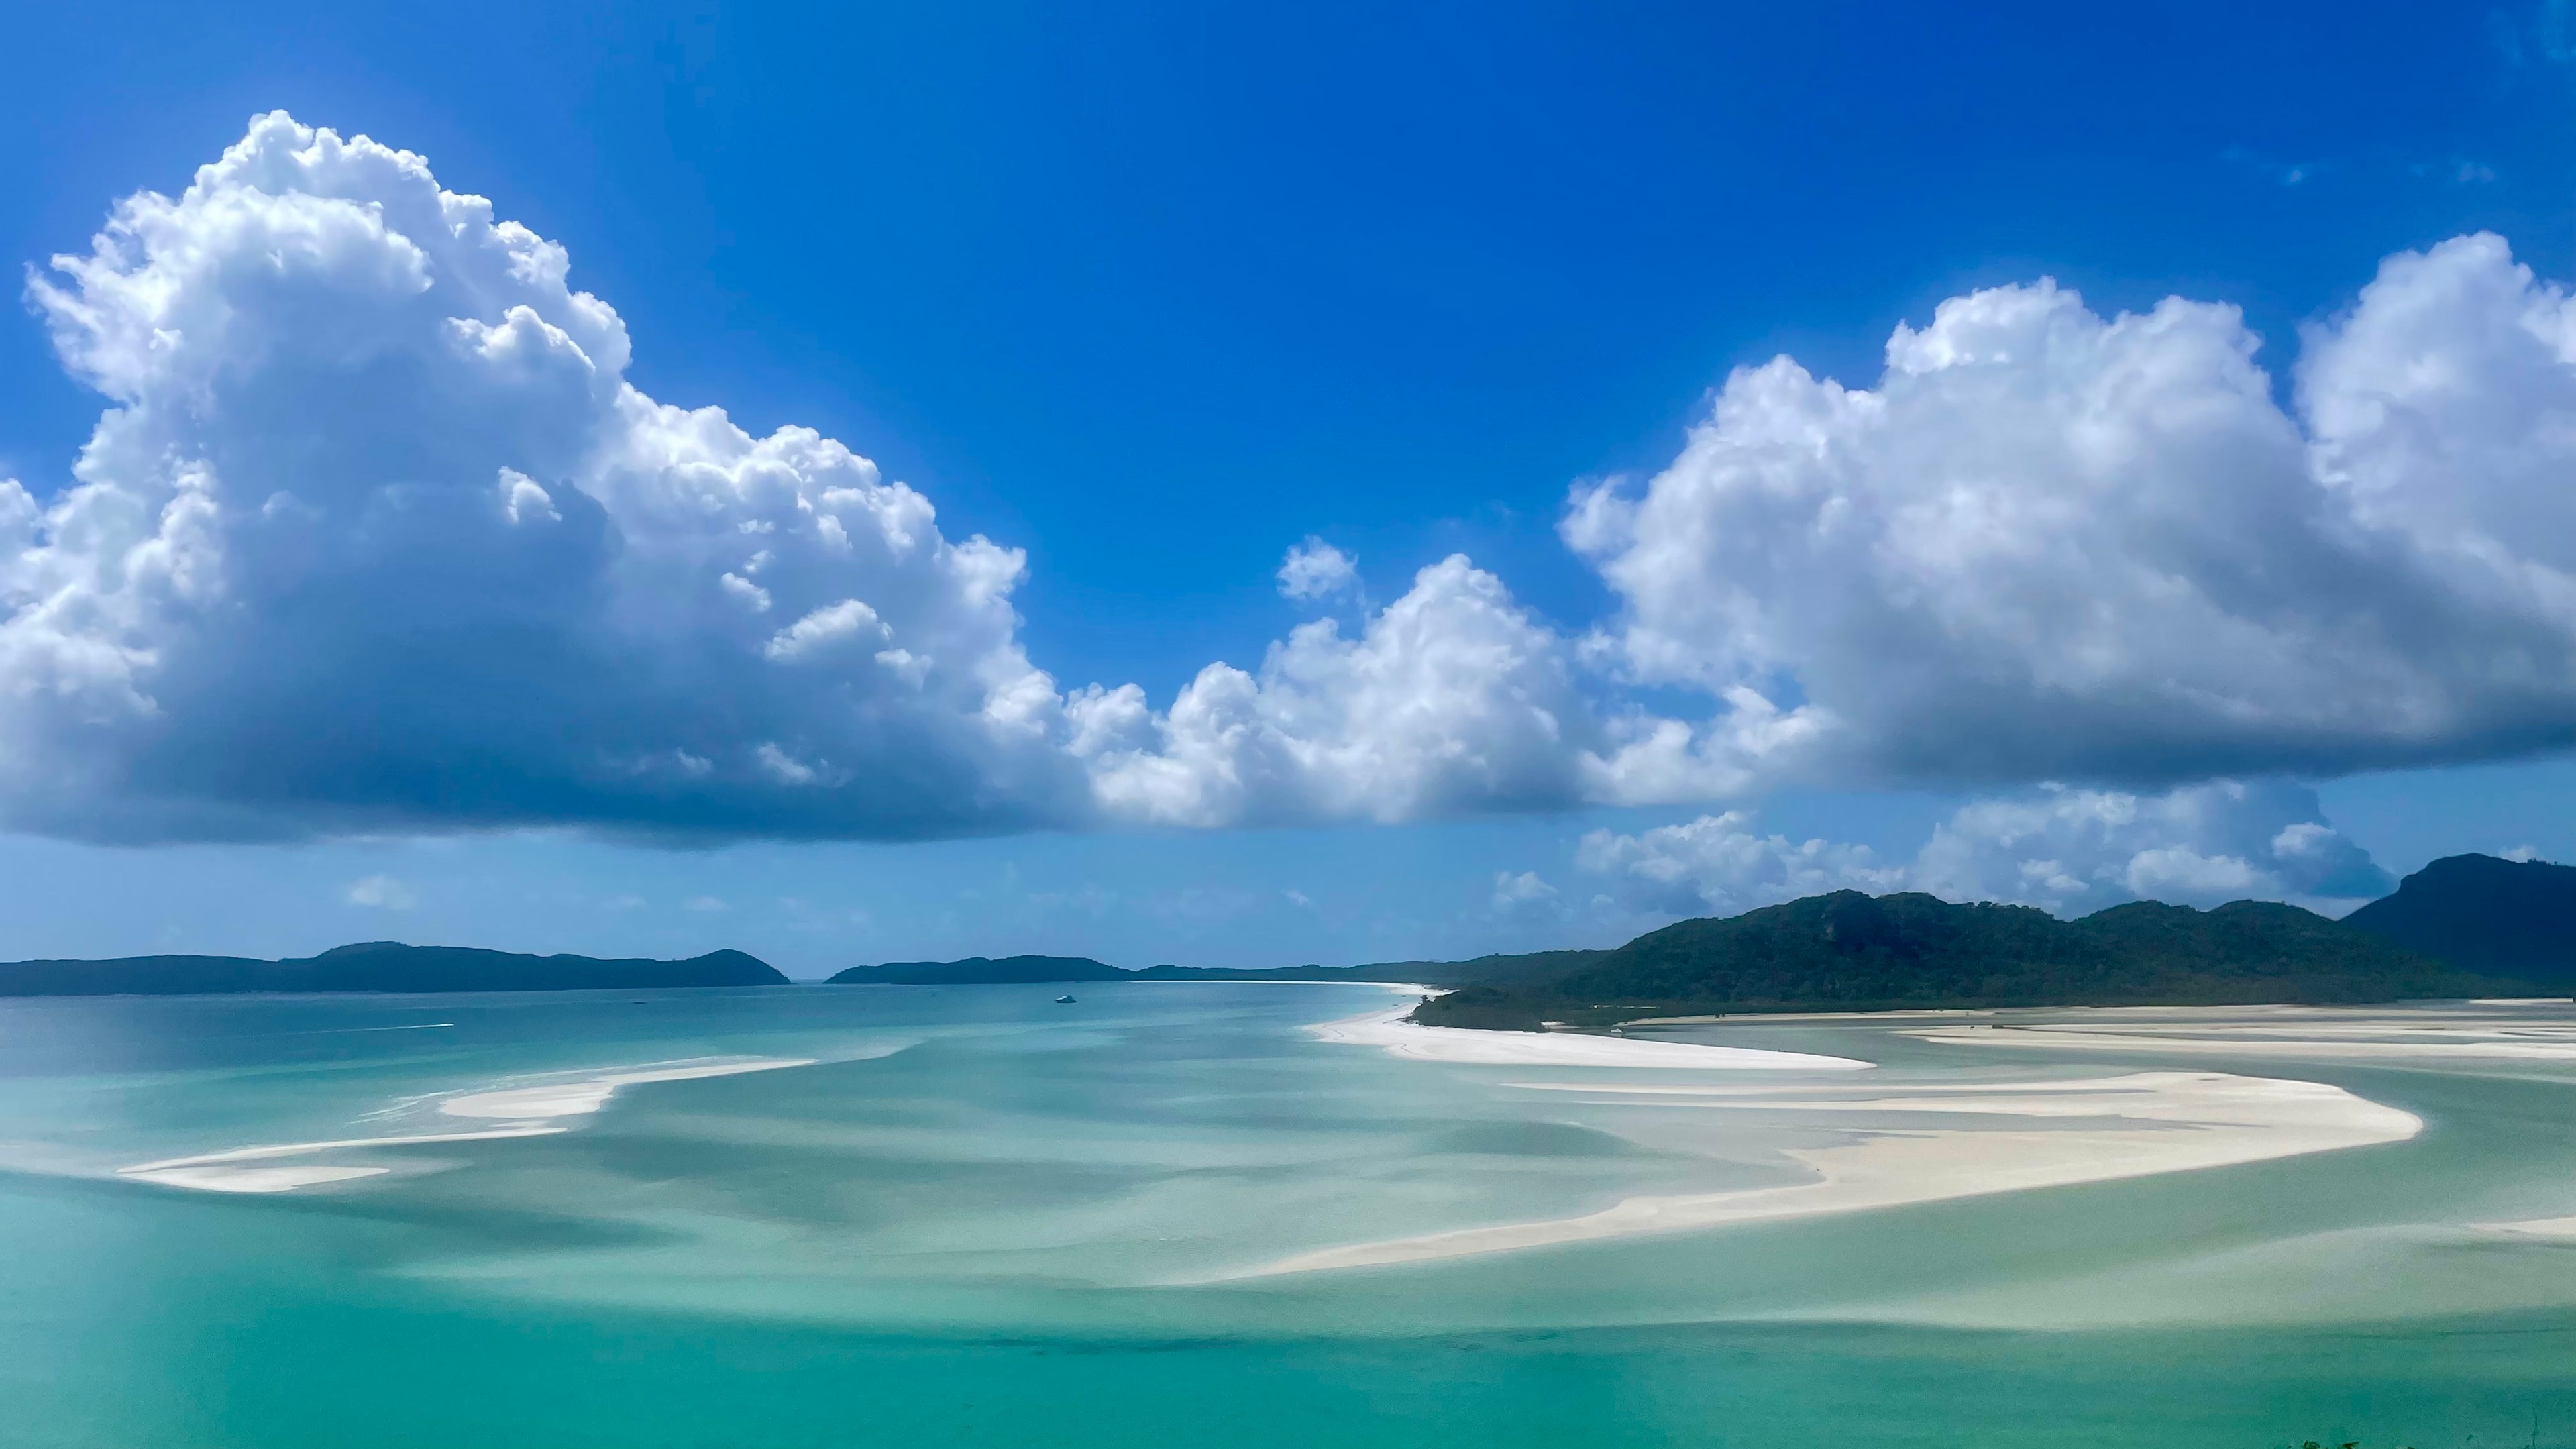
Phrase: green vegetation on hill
x=2497 y=917
x=377 y=966
x=1849 y=951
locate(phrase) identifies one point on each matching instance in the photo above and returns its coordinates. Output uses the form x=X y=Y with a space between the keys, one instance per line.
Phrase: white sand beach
x=1398 y=1037
x=2148 y=1123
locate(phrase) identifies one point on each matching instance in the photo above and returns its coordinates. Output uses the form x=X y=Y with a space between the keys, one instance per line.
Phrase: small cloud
x=2280 y=173
x=1316 y=570
x=2457 y=170
x=622 y=903
x=383 y=892
x=1514 y=891
x=784 y=767
x=1299 y=900
x=706 y=903
x=1090 y=898
x=2522 y=853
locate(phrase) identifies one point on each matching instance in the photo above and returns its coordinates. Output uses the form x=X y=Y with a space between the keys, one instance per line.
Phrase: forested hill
x=2500 y=917
x=377 y=966
x=1849 y=951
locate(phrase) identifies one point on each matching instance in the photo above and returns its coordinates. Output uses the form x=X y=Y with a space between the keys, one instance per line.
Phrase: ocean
x=808 y=1216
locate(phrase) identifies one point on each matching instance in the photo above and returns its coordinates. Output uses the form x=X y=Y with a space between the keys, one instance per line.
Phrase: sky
x=1335 y=484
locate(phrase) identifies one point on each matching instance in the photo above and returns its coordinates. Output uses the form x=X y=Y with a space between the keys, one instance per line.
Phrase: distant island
x=2463 y=926
x=981 y=971
x=1020 y=970
x=378 y=966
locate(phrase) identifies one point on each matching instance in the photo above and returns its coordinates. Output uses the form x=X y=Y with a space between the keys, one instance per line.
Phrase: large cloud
x=376 y=534
x=2053 y=545
x=2069 y=851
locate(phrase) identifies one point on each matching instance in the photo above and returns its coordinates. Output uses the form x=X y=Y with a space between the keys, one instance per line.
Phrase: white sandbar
x=252 y=1179
x=2554 y=1229
x=2157 y=1122
x=585 y=1095
x=1401 y=1038
x=528 y=1109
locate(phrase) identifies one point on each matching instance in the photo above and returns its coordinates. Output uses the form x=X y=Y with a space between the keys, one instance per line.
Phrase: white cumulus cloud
x=384 y=893
x=1315 y=569
x=2051 y=544
x=375 y=533
x=1451 y=698
x=1518 y=890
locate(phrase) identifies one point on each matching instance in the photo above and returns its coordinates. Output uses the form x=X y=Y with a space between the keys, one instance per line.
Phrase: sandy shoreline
x=1389 y=1031
x=2155 y=1122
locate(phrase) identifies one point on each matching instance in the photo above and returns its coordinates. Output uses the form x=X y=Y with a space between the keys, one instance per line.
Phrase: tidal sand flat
x=2536 y=1033
x=2135 y=1125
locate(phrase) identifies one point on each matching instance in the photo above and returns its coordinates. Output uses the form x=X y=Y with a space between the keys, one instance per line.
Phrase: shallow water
x=982 y=1218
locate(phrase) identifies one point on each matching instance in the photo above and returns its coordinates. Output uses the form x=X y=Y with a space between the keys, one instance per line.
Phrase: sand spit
x=2341 y=1036
x=214 y=1172
x=2557 y=1230
x=529 y=1109
x=1389 y=1030
x=582 y=1096
x=2151 y=1123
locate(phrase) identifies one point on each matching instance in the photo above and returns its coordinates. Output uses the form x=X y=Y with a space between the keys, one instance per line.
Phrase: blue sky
x=1154 y=294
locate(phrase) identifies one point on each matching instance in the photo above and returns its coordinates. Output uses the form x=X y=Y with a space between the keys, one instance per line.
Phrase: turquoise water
x=983 y=1218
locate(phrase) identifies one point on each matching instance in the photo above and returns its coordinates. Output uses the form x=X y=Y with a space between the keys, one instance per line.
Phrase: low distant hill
x=1850 y=951
x=1018 y=970
x=2496 y=917
x=1481 y=970
x=378 y=966
x=981 y=971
